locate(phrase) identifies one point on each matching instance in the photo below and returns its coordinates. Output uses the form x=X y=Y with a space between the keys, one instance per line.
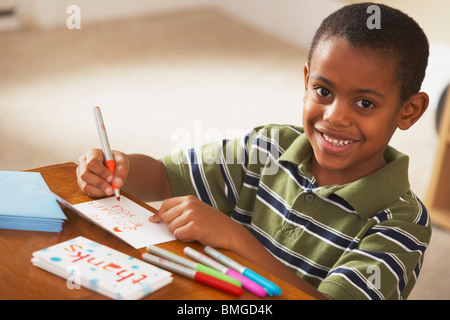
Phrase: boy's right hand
x=94 y=179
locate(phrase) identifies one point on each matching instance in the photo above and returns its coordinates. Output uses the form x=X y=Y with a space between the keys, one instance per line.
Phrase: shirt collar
x=368 y=195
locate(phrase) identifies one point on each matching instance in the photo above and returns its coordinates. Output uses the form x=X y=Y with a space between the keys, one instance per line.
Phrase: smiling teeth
x=336 y=142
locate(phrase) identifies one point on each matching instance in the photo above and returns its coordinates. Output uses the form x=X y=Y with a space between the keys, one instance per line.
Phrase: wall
x=42 y=14
x=292 y=20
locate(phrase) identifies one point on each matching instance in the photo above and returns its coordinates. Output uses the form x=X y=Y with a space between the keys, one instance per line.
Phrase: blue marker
x=271 y=288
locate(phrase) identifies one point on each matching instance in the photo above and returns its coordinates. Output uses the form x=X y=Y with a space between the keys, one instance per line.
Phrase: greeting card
x=126 y=220
x=92 y=265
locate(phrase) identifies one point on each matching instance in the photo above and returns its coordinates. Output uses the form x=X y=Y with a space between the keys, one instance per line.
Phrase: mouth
x=336 y=141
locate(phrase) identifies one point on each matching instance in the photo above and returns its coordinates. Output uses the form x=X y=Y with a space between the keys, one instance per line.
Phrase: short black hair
x=398 y=36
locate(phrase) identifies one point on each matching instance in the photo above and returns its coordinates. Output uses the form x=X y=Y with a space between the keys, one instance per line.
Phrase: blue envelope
x=26 y=203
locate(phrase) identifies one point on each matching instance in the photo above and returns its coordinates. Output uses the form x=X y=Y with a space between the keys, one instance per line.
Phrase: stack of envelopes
x=27 y=204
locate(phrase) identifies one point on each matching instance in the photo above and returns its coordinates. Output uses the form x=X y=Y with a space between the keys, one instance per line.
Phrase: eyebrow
x=358 y=90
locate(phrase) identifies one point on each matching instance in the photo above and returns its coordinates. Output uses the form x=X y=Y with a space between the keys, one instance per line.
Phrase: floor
x=164 y=82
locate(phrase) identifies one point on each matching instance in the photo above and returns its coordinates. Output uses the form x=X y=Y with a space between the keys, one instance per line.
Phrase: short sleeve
x=213 y=172
x=384 y=265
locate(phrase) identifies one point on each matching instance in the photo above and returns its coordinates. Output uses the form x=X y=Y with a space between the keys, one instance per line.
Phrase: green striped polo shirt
x=362 y=240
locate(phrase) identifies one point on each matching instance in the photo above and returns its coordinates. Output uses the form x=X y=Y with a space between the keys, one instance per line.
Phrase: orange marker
x=109 y=160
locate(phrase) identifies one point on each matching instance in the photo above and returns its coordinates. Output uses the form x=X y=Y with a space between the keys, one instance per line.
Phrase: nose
x=337 y=114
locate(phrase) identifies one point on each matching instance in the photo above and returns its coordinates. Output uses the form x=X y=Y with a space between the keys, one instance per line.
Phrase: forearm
x=147 y=179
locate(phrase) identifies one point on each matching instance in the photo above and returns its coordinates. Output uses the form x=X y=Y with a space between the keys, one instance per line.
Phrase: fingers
x=168 y=210
x=122 y=168
x=179 y=214
x=95 y=179
x=92 y=177
x=189 y=219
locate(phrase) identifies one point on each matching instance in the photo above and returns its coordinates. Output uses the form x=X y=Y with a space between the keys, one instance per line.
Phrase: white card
x=126 y=220
x=86 y=263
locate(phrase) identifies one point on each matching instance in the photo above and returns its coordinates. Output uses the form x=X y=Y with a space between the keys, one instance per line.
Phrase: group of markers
x=226 y=275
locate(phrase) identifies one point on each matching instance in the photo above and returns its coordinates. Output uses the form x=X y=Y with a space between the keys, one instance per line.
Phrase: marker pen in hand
x=109 y=160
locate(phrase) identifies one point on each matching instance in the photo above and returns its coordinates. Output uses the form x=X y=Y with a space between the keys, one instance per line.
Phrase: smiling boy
x=337 y=217
x=350 y=112
x=355 y=97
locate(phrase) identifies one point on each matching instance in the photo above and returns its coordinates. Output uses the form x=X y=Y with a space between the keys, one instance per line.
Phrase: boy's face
x=352 y=103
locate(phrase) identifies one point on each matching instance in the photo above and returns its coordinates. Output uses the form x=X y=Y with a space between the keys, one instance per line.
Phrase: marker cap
x=248 y=284
x=217 y=274
x=217 y=283
x=270 y=287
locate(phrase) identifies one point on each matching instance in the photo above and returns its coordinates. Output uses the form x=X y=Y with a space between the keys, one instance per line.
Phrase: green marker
x=193 y=265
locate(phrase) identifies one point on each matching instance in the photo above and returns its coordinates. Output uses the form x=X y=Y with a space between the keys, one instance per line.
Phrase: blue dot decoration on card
x=94 y=283
x=95 y=244
x=146 y=289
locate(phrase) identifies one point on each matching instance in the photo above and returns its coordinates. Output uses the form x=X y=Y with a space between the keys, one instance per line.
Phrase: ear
x=306 y=78
x=412 y=110
x=306 y=74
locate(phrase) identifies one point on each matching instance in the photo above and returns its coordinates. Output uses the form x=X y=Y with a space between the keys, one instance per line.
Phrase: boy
x=326 y=207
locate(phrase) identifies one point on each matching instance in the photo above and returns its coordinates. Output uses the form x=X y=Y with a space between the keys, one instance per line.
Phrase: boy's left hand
x=190 y=219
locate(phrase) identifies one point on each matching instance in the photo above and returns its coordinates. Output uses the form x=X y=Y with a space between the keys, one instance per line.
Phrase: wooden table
x=19 y=279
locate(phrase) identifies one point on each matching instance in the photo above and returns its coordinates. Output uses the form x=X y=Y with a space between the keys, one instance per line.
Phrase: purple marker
x=248 y=284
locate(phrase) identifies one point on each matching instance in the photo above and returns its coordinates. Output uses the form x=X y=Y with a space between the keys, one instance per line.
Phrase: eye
x=322 y=92
x=365 y=104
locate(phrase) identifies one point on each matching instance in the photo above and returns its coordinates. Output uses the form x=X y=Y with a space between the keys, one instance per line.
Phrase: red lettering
x=79 y=256
x=72 y=247
x=95 y=264
x=142 y=278
x=111 y=265
x=125 y=277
